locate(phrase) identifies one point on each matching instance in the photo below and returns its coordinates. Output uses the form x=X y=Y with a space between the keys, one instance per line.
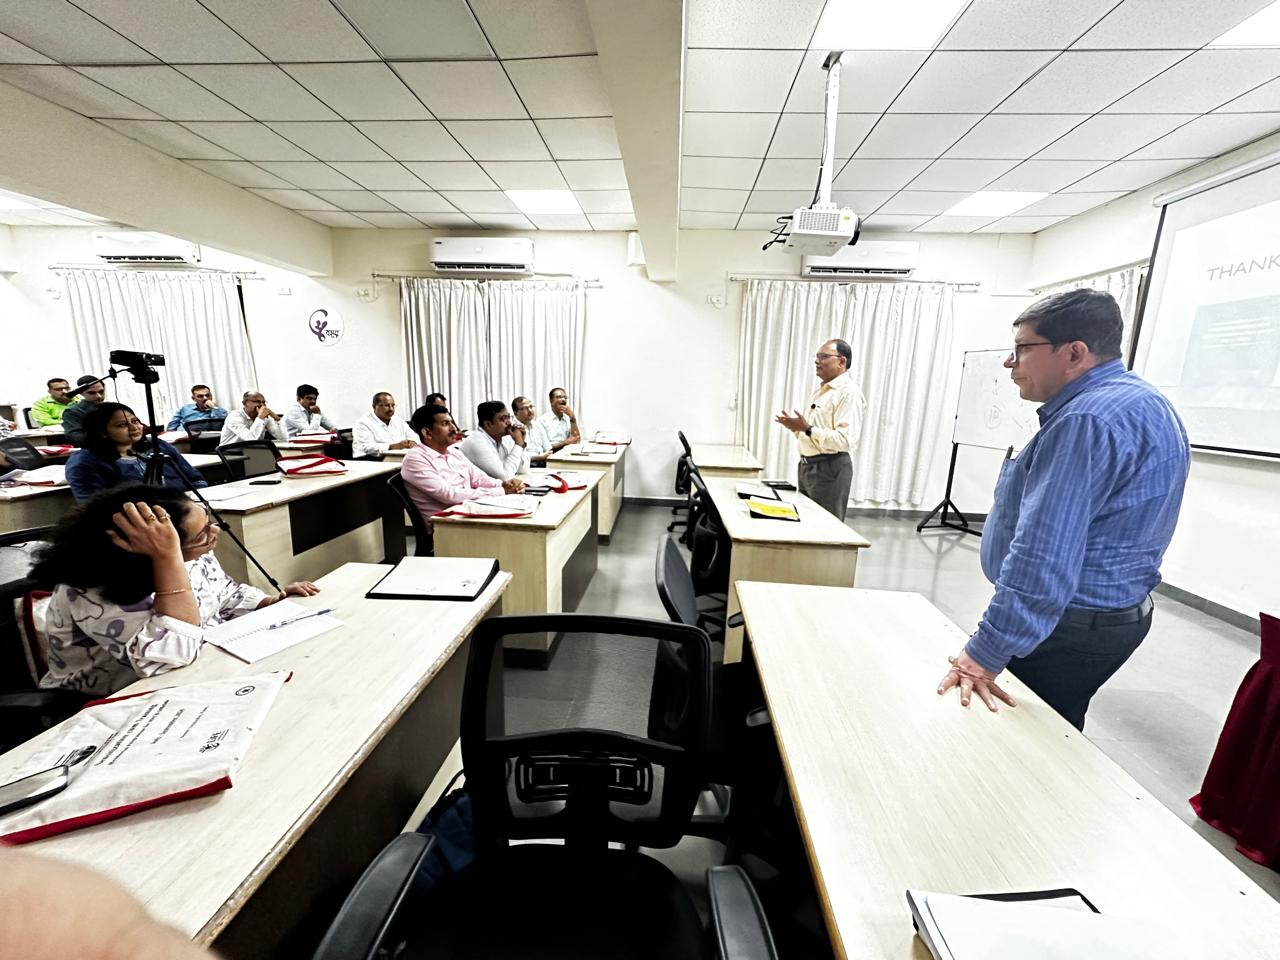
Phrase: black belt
x=1108 y=618
x=821 y=456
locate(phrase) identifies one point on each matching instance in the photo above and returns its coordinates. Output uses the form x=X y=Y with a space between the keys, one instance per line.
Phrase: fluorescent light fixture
x=994 y=203
x=1260 y=30
x=864 y=25
x=544 y=201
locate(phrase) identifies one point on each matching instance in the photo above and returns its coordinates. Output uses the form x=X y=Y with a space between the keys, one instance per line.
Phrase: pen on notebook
x=313 y=613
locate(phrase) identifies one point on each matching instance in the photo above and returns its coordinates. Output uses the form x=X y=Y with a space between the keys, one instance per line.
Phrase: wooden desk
x=612 y=484
x=551 y=557
x=348 y=748
x=818 y=550
x=896 y=787
x=304 y=527
x=726 y=460
x=41 y=436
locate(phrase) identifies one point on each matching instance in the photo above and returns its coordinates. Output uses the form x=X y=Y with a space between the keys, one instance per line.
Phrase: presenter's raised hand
x=793 y=421
x=970 y=677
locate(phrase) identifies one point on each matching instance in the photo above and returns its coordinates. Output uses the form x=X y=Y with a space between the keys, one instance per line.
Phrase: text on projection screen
x=1214 y=348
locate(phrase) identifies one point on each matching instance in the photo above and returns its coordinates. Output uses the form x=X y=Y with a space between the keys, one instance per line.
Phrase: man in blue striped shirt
x=1082 y=516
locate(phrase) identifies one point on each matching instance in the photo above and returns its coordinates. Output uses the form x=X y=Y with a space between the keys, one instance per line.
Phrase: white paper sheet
x=267 y=631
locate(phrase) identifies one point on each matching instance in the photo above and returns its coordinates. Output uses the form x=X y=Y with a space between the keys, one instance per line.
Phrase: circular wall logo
x=325 y=325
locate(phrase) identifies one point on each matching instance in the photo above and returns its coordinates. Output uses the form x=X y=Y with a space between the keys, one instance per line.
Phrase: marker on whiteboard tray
x=1009 y=453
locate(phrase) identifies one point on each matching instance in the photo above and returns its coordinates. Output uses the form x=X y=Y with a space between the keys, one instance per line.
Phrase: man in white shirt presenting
x=436 y=475
x=556 y=429
x=498 y=447
x=377 y=432
x=253 y=421
x=305 y=416
x=828 y=429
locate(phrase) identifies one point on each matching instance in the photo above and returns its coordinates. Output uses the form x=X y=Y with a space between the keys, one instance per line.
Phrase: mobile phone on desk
x=33 y=789
x=260 y=483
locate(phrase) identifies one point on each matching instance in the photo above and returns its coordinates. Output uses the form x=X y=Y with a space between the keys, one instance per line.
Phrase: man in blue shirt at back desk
x=201 y=407
x=1082 y=516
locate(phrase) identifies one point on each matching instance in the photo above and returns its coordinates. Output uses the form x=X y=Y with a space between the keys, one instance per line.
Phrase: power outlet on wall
x=366 y=294
x=716 y=300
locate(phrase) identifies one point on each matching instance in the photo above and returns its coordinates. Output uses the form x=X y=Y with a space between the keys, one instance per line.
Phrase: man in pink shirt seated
x=436 y=475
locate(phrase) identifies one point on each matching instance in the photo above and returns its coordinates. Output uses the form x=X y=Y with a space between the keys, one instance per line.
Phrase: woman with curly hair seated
x=135 y=584
x=113 y=438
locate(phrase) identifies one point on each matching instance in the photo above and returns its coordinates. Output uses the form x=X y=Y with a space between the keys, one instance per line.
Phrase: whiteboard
x=990 y=412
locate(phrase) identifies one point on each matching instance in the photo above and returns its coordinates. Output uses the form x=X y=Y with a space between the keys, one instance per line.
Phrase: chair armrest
x=759 y=717
x=738 y=922
x=736 y=620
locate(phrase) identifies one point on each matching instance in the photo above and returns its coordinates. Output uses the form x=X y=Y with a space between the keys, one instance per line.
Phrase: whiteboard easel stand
x=948 y=506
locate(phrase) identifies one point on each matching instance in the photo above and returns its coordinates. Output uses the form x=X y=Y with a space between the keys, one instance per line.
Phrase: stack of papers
x=436 y=578
x=612 y=438
x=263 y=632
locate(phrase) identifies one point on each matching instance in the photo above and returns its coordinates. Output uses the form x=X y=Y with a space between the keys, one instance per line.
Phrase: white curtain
x=1123 y=284
x=901 y=339
x=477 y=340
x=193 y=318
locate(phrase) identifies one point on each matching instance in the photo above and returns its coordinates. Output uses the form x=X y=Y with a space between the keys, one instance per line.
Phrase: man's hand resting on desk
x=299 y=588
x=514 y=485
x=402 y=445
x=972 y=677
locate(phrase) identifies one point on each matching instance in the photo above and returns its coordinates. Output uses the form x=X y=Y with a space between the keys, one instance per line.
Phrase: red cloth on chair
x=1241 y=791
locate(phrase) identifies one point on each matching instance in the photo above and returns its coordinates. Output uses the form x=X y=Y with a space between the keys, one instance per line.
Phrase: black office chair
x=341 y=448
x=684 y=466
x=26 y=415
x=424 y=541
x=709 y=543
x=207 y=425
x=587 y=780
x=684 y=442
x=22 y=454
x=249 y=458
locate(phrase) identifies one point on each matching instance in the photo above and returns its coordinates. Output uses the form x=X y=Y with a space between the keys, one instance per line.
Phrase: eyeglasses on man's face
x=1020 y=349
x=825 y=356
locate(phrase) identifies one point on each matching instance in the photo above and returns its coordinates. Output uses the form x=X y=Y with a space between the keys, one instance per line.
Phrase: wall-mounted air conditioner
x=865 y=260
x=139 y=246
x=483 y=256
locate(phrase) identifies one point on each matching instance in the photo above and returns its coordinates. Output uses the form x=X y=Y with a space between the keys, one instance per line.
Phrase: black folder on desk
x=436 y=578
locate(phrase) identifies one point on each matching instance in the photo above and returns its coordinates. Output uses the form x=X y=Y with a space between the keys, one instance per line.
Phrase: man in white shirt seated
x=436 y=475
x=556 y=429
x=253 y=421
x=498 y=447
x=377 y=432
x=305 y=416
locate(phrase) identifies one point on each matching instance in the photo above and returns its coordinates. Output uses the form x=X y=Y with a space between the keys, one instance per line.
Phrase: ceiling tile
x=249 y=141
x=391 y=220
x=861 y=202
x=65 y=87
x=449 y=175
x=419 y=29
x=293 y=30
x=915 y=134
x=869 y=80
x=1263 y=99
x=536 y=28
x=1012 y=136
x=1067 y=204
x=762 y=222
x=525 y=174
x=417 y=201
x=359 y=91
x=446 y=219
x=1206 y=79
x=748 y=81
x=380 y=176
x=560 y=221
x=499 y=140
x=787 y=175
x=892 y=223
x=612 y=221
x=1135 y=24
x=241 y=173
x=170 y=138
x=11 y=51
x=878 y=174
x=335 y=218
x=463 y=89
x=1046 y=175
x=966 y=175
x=311 y=174
x=263 y=91
x=594 y=174
x=718 y=172
x=799 y=135
x=1085 y=81
x=584 y=139
x=952 y=225
x=1023 y=24
x=413 y=139
x=1020 y=225
x=562 y=87
x=780 y=24
x=1111 y=136
x=968 y=81
x=1210 y=136
x=1129 y=175
x=728 y=134
x=712 y=201
x=336 y=140
x=604 y=201
x=60 y=30
x=922 y=202
x=503 y=221
x=481 y=201
x=166 y=91
x=358 y=200
x=777 y=201
x=294 y=199
x=176 y=31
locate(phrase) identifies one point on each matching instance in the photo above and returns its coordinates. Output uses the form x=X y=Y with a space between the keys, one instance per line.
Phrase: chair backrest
x=684 y=466
x=675 y=583
x=21 y=454
x=208 y=425
x=684 y=442
x=593 y=773
x=26 y=415
x=423 y=536
x=249 y=458
x=19 y=665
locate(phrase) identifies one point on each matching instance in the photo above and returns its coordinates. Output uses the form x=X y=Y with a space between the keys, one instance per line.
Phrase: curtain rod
x=970 y=286
x=1091 y=276
x=591 y=283
x=159 y=268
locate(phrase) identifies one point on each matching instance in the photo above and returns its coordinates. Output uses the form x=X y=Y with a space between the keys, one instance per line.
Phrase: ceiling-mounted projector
x=822 y=228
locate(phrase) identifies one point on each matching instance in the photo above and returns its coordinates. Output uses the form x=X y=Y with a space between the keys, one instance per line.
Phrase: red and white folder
x=310 y=465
